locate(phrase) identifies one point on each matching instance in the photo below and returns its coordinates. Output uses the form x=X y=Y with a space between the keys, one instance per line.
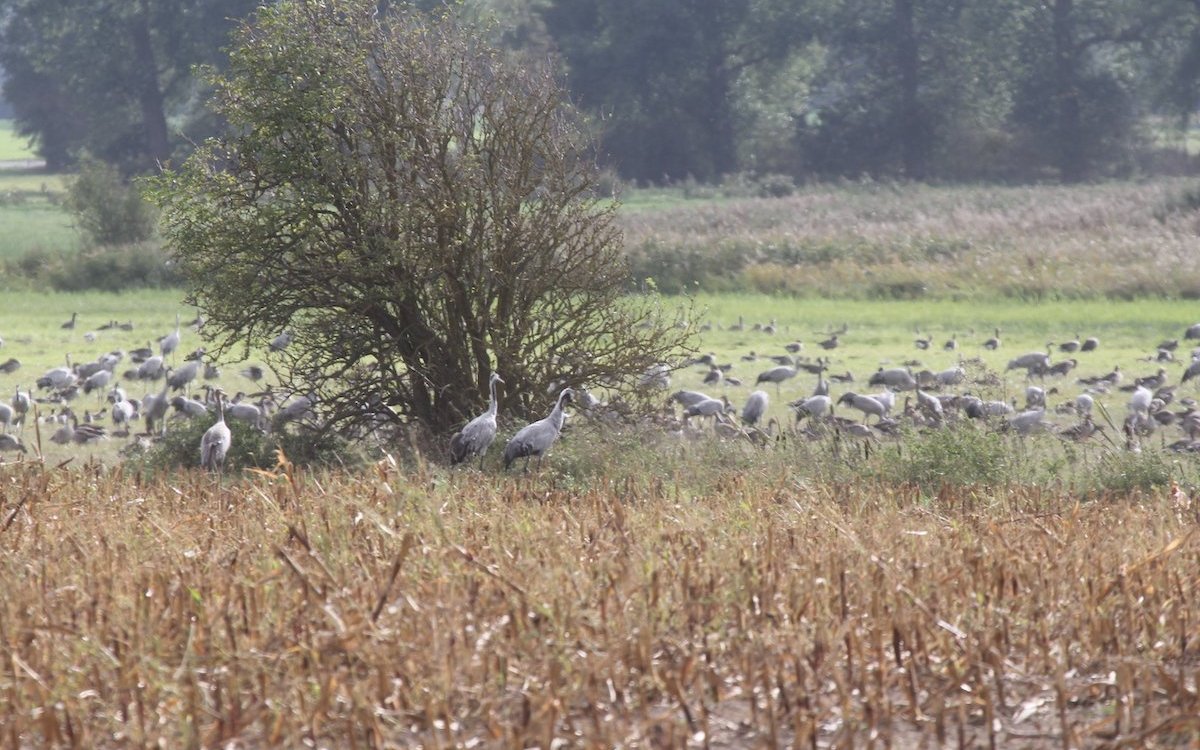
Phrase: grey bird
x=1034 y=363
x=994 y=342
x=11 y=443
x=689 y=398
x=756 y=406
x=280 y=342
x=1192 y=332
x=478 y=434
x=169 y=343
x=1192 y=371
x=866 y=404
x=777 y=375
x=894 y=377
x=536 y=438
x=815 y=406
x=179 y=379
x=217 y=440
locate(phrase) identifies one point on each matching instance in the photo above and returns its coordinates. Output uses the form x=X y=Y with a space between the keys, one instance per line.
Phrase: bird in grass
x=536 y=438
x=755 y=407
x=478 y=434
x=216 y=441
x=169 y=343
x=11 y=443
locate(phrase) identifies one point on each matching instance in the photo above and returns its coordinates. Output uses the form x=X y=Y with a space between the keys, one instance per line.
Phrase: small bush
x=107 y=209
x=1127 y=472
x=113 y=268
x=961 y=455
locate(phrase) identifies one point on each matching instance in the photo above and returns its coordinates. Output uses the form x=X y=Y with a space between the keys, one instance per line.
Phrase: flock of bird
x=900 y=397
x=897 y=398
x=180 y=387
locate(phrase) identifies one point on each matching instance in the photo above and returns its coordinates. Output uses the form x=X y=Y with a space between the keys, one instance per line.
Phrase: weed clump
x=961 y=455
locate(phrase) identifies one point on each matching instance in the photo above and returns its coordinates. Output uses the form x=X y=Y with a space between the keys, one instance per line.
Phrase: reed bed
x=1121 y=240
x=428 y=608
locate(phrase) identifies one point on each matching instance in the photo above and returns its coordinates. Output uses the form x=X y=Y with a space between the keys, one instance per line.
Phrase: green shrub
x=1125 y=472
x=965 y=454
x=106 y=208
x=180 y=448
x=113 y=268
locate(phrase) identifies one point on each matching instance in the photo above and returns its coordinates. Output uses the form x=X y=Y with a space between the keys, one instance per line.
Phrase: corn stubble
x=425 y=609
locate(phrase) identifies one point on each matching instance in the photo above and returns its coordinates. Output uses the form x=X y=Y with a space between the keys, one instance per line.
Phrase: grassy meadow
x=964 y=587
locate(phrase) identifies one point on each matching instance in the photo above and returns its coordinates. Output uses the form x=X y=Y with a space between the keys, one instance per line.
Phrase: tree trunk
x=149 y=94
x=1068 y=138
x=911 y=132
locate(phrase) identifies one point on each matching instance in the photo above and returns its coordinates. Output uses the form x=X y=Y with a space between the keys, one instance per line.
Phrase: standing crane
x=478 y=434
x=536 y=438
x=216 y=441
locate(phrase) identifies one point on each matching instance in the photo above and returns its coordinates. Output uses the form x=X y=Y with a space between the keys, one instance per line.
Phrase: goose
x=536 y=438
x=21 y=403
x=1090 y=344
x=993 y=343
x=1070 y=347
x=280 y=342
x=70 y=324
x=478 y=434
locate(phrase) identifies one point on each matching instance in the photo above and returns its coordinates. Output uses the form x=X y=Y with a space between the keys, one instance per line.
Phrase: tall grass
x=910 y=241
x=450 y=609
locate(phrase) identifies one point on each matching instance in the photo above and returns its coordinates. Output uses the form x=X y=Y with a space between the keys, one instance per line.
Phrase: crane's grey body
x=536 y=438
x=216 y=441
x=894 y=377
x=816 y=406
x=169 y=343
x=476 y=437
x=689 y=398
x=179 y=379
x=11 y=443
x=868 y=405
x=756 y=406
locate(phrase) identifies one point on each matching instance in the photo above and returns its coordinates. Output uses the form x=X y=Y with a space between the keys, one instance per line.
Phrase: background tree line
x=677 y=89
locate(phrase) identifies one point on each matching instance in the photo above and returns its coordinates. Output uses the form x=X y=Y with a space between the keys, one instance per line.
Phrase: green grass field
x=876 y=334
x=13 y=146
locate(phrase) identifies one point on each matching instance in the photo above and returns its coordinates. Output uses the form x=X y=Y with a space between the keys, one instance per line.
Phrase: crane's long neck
x=492 y=402
x=556 y=416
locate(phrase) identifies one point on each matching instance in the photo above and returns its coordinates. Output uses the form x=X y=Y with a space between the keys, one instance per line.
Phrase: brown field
x=747 y=607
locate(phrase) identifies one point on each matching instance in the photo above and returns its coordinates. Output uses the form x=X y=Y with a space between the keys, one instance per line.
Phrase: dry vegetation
x=1120 y=240
x=425 y=608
